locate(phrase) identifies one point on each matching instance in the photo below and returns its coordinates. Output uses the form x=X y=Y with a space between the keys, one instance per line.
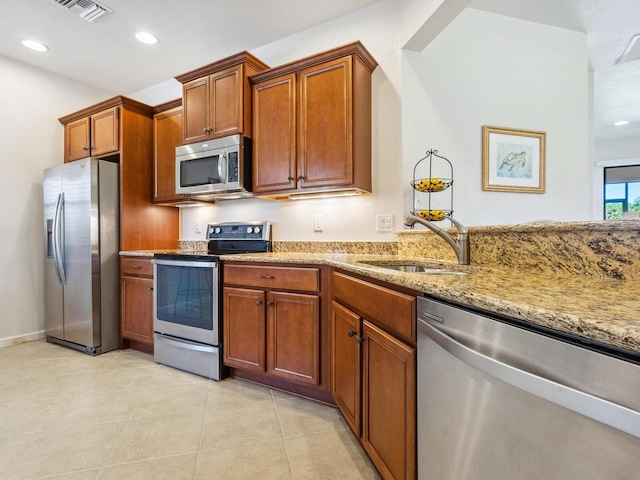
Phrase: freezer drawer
x=186 y=355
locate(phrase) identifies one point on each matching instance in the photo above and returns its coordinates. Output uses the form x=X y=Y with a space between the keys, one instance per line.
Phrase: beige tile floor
x=67 y=415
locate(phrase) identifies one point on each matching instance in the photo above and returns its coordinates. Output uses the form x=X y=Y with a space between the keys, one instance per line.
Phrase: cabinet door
x=225 y=103
x=76 y=140
x=244 y=328
x=274 y=134
x=388 y=403
x=345 y=364
x=105 y=133
x=294 y=332
x=167 y=135
x=195 y=110
x=136 y=314
x=325 y=150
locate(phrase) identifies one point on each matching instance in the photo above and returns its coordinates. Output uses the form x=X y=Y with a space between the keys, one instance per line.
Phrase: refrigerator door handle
x=599 y=409
x=57 y=239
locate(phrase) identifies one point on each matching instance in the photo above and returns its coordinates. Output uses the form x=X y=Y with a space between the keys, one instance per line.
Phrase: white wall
x=32 y=140
x=487 y=69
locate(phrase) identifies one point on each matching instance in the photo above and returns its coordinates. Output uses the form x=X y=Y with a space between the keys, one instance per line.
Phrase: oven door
x=186 y=299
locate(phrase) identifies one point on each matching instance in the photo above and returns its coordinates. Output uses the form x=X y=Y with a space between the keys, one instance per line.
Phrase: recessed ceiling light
x=621 y=122
x=33 y=45
x=147 y=38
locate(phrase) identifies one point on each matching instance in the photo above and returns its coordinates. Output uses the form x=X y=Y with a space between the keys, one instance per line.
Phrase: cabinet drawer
x=289 y=278
x=388 y=308
x=138 y=266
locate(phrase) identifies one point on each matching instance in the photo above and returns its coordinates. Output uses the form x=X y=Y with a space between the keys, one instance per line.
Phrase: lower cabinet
x=268 y=327
x=373 y=371
x=136 y=303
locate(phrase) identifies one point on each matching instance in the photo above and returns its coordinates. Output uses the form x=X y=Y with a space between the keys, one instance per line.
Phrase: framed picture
x=512 y=160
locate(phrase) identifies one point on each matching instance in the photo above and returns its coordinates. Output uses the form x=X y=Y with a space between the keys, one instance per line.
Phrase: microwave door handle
x=222 y=167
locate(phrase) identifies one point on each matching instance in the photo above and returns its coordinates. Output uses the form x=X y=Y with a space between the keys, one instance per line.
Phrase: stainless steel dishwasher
x=498 y=401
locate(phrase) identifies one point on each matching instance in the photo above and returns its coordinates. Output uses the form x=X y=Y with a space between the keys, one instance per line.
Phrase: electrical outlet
x=384 y=222
x=318 y=223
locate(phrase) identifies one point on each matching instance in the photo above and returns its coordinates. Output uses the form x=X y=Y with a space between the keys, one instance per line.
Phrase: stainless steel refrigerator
x=81 y=257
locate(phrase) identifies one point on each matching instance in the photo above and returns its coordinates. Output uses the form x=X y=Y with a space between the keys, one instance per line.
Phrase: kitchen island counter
x=603 y=310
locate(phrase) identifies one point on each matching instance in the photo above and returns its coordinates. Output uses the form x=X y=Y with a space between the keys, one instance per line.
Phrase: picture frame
x=513 y=160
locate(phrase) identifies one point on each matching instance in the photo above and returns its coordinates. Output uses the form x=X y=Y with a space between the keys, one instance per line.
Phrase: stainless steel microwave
x=217 y=168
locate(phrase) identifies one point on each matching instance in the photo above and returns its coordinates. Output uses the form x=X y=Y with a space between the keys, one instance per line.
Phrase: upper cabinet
x=167 y=135
x=121 y=130
x=312 y=124
x=94 y=135
x=216 y=98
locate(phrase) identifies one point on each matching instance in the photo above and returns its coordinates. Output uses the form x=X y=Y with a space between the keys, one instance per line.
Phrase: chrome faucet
x=460 y=246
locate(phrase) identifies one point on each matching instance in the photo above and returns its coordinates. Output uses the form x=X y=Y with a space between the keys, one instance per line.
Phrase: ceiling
x=193 y=33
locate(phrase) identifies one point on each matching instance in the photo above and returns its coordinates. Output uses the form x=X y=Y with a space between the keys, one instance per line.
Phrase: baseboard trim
x=29 y=337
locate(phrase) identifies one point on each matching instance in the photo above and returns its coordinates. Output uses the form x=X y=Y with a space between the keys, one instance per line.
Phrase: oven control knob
x=210 y=230
x=249 y=229
x=256 y=230
x=218 y=230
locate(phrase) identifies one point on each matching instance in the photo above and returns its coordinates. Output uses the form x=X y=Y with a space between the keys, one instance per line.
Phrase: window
x=621 y=191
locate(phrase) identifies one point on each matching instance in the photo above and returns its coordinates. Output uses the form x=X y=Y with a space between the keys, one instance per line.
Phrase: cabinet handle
x=300 y=177
x=206 y=129
x=359 y=339
x=258 y=302
x=351 y=333
x=269 y=304
x=290 y=179
x=85 y=148
x=136 y=267
x=266 y=276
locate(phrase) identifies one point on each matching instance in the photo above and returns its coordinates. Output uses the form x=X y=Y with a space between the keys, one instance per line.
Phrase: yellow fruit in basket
x=436 y=185
x=423 y=185
x=433 y=215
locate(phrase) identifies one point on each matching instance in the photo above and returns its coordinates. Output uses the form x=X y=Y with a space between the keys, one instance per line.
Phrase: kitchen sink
x=413 y=268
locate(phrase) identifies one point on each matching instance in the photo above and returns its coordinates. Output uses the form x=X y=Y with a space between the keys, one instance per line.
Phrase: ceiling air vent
x=85 y=9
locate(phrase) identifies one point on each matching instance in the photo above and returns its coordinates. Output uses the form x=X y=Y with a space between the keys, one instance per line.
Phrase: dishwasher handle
x=601 y=410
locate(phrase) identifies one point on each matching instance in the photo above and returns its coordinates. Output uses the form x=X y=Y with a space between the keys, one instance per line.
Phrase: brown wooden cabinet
x=136 y=301
x=216 y=98
x=127 y=125
x=95 y=135
x=373 y=371
x=272 y=321
x=312 y=124
x=167 y=135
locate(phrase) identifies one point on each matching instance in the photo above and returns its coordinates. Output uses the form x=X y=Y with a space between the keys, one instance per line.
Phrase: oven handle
x=189 y=346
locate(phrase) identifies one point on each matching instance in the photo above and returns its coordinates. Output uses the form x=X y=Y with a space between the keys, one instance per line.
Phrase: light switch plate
x=318 y=223
x=384 y=222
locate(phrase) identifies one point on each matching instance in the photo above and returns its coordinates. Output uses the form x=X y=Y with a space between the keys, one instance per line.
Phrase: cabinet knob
x=258 y=302
x=300 y=177
x=359 y=339
x=85 y=148
x=269 y=304
x=351 y=333
x=290 y=178
x=150 y=289
x=206 y=129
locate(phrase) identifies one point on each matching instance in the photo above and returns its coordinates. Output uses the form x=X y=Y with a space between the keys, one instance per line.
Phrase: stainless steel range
x=186 y=290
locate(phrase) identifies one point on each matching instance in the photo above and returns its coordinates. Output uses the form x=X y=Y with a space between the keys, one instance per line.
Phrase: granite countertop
x=601 y=309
